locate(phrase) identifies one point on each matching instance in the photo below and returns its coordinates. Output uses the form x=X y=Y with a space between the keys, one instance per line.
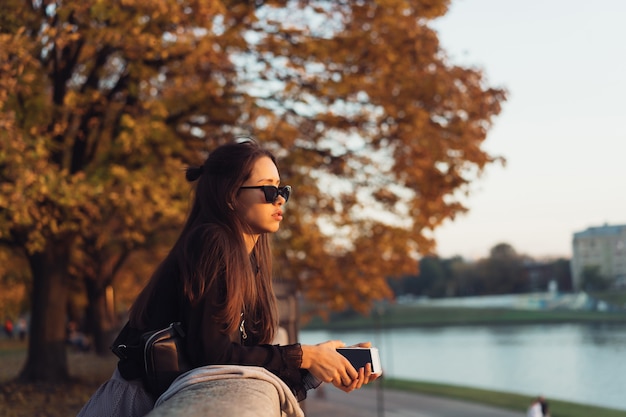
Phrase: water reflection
x=607 y=335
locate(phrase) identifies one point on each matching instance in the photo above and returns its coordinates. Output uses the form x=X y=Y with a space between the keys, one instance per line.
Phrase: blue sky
x=562 y=130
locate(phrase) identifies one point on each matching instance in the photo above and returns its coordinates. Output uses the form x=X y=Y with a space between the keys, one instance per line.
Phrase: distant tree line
x=504 y=271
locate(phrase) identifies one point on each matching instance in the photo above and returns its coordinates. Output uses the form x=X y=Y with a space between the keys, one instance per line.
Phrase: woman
x=216 y=280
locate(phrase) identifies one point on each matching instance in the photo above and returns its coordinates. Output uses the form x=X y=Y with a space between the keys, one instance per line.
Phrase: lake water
x=573 y=362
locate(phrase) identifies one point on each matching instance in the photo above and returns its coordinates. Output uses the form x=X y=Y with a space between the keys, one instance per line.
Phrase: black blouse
x=206 y=344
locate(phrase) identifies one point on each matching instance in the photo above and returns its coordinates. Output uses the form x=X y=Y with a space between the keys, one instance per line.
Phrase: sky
x=562 y=129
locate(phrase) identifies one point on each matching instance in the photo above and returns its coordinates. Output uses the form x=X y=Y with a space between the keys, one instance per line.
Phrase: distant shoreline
x=402 y=316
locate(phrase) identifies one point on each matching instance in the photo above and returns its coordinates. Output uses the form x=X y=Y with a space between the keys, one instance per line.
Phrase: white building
x=603 y=247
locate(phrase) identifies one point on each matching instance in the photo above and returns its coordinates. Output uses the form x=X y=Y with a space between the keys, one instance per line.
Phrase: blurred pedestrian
x=544 y=407
x=534 y=410
x=21 y=328
x=76 y=338
x=8 y=328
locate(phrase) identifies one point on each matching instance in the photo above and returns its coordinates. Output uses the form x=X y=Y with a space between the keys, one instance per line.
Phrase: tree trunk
x=99 y=320
x=47 y=355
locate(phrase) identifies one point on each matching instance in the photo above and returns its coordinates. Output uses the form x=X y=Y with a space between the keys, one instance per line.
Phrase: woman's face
x=252 y=207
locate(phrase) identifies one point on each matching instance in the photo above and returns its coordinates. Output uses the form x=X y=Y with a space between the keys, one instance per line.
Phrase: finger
x=363 y=345
x=341 y=379
x=357 y=382
x=354 y=384
x=338 y=344
x=332 y=344
x=349 y=379
x=338 y=382
x=370 y=377
x=344 y=387
x=350 y=372
x=368 y=370
x=361 y=379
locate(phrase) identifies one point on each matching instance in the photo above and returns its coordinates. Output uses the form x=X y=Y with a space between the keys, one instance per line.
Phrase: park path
x=369 y=402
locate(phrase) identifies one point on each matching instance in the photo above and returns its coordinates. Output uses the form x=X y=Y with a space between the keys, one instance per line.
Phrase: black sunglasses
x=272 y=192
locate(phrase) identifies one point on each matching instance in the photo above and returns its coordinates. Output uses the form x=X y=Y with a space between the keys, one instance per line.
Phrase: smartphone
x=359 y=357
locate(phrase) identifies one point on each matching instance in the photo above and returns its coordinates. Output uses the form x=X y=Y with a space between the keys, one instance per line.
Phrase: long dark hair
x=211 y=245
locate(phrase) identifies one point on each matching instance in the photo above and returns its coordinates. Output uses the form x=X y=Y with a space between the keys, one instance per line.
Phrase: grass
x=88 y=371
x=500 y=399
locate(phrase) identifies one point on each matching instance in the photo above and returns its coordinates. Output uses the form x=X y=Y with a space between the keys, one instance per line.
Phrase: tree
x=562 y=273
x=411 y=128
x=99 y=258
x=464 y=277
x=104 y=103
x=96 y=130
x=593 y=279
x=432 y=271
x=503 y=271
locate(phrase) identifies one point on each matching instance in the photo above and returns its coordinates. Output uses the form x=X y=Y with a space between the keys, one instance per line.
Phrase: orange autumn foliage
x=102 y=104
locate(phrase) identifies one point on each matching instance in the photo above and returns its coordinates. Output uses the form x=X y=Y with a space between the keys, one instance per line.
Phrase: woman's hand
x=326 y=364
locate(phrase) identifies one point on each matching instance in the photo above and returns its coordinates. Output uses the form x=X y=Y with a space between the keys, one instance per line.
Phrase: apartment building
x=603 y=247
